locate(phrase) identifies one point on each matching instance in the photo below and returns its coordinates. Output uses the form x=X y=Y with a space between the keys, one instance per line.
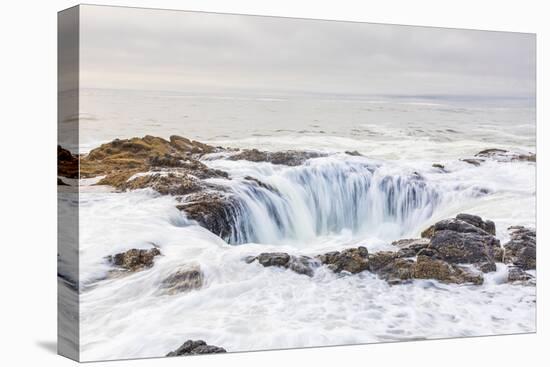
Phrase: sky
x=144 y=49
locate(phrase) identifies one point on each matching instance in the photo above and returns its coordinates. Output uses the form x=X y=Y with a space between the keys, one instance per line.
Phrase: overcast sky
x=142 y=49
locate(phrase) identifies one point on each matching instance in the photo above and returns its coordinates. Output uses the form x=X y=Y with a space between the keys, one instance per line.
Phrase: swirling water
x=328 y=203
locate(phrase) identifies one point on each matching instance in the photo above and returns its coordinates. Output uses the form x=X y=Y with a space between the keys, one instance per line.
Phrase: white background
x=28 y=181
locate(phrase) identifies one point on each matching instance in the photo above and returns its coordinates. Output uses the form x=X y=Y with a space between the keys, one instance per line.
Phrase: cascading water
x=327 y=196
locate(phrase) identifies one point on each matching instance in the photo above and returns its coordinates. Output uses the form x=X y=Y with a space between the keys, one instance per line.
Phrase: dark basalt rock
x=134 y=259
x=299 y=264
x=410 y=247
x=487 y=225
x=502 y=155
x=353 y=153
x=287 y=158
x=475 y=162
x=518 y=275
x=430 y=268
x=195 y=347
x=353 y=260
x=521 y=250
x=213 y=211
x=183 y=280
x=439 y=166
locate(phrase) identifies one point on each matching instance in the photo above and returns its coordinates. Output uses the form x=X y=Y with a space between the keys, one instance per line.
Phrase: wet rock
x=430 y=268
x=464 y=239
x=518 y=275
x=121 y=159
x=134 y=259
x=165 y=184
x=67 y=163
x=411 y=247
x=487 y=225
x=213 y=211
x=353 y=260
x=439 y=166
x=195 y=347
x=261 y=184
x=299 y=264
x=472 y=161
x=287 y=158
x=502 y=155
x=394 y=270
x=381 y=259
x=521 y=249
x=183 y=280
x=353 y=153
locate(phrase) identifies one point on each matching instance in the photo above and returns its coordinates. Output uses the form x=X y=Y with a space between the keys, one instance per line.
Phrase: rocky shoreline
x=457 y=250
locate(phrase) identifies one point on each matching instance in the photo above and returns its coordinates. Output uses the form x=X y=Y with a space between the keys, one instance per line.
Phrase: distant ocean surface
x=245 y=307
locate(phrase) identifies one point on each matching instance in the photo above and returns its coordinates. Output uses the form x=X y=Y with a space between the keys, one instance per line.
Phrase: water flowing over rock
x=287 y=158
x=518 y=275
x=503 y=155
x=183 y=280
x=299 y=264
x=521 y=250
x=135 y=259
x=195 y=347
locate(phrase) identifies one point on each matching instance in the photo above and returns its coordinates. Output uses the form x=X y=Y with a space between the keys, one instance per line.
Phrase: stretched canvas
x=231 y=183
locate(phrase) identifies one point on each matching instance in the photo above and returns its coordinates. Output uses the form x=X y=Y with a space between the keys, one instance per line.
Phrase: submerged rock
x=518 y=275
x=299 y=264
x=134 y=259
x=287 y=158
x=195 y=347
x=521 y=250
x=183 y=280
x=502 y=155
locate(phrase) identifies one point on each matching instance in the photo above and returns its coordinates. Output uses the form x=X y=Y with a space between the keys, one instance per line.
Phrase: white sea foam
x=327 y=204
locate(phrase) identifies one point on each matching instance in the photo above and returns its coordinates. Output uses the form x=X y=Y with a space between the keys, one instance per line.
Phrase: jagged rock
x=67 y=163
x=165 y=184
x=393 y=269
x=353 y=260
x=213 y=211
x=299 y=264
x=502 y=155
x=287 y=158
x=121 y=159
x=487 y=225
x=521 y=250
x=430 y=268
x=410 y=247
x=183 y=280
x=195 y=347
x=464 y=239
x=518 y=275
x=134 y=259
x=439 y=166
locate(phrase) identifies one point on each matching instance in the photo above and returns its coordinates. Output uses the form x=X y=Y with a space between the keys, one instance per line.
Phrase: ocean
x=369 y=198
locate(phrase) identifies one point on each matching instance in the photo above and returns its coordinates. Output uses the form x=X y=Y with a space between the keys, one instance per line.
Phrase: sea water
x=391 y=191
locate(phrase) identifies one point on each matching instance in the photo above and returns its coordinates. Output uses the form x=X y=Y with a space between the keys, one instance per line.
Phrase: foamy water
x=327 y=204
